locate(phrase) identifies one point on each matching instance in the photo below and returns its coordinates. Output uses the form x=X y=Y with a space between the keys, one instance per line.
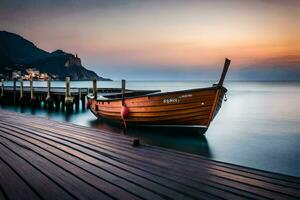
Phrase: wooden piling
x=79 y=91
x=68 y=98
x=31 y=89
x=2 y=97
x=68 y=87
x=49 y=100
x=48 y=89
x=79 y=97
x=21 y=88
x=2 y=87
x=22 y=98
x=14 y=85
x=123 y=106
x=123 y=91
x=95 y=88
x=33 y=100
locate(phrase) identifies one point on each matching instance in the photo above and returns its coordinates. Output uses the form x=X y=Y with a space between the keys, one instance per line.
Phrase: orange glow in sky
x=166 y=34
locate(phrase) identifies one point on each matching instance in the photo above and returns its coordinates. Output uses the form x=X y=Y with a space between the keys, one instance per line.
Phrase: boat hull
x=196 y=107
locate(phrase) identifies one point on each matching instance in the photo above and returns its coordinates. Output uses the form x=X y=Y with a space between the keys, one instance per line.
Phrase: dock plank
x=78 y=162
x=197 y=176
x=91 y=168
x=81 y=173
x=10 y=180
x=118 y=168
x=120 y=150
x=70 y=183
x=163 y=173
x=258 y=174
x=170 y=152
x=232 y=175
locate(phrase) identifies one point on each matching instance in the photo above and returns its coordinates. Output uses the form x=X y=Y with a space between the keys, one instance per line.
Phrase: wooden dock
x=52 y=97
x=44 y=159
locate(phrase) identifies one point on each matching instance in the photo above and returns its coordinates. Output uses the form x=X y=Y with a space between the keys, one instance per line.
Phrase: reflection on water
x=259 y=125
x=189 y=140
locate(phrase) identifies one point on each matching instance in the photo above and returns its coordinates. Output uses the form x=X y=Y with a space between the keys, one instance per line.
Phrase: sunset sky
x=166 y=39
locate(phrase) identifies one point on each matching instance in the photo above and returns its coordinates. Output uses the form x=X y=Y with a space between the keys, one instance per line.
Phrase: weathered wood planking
x=44 y=159
x=195 y=107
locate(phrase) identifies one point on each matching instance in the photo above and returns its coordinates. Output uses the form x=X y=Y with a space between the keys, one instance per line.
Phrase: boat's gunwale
x=90 y=96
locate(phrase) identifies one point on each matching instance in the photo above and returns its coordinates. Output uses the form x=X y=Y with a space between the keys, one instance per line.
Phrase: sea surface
x=258 y=126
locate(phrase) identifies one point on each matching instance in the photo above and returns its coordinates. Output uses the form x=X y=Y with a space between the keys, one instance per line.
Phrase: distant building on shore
x=32 y=73
x=16 y=74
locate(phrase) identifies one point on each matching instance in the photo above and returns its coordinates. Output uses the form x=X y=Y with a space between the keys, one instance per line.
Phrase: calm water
x=259 y=125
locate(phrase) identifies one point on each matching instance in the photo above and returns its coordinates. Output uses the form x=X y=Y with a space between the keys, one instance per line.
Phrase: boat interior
x=127 y=94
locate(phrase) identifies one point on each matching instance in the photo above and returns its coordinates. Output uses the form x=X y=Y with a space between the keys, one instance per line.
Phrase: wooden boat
x=194 y=107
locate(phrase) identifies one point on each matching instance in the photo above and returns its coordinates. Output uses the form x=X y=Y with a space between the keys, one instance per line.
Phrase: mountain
x=18 y=56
